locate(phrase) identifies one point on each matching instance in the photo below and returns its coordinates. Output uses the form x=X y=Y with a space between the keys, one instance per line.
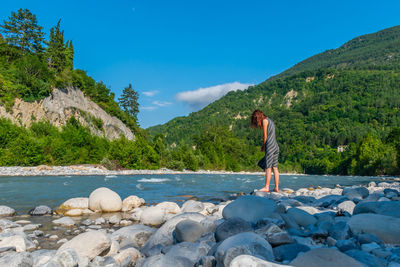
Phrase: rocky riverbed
x=351 y=226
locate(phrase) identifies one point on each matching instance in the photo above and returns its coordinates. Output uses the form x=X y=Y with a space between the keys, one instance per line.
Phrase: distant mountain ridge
x=376 y=50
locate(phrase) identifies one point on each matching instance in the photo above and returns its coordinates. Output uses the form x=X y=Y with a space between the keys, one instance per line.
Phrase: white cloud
x=201 y=97
x=150 y=93
x=161 y=103
x=150 y=108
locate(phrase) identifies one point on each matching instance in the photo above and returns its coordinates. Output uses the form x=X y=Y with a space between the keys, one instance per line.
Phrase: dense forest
x=337 y=112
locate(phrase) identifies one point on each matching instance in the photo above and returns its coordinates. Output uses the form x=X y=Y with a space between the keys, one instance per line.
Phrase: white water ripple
x=154 y=180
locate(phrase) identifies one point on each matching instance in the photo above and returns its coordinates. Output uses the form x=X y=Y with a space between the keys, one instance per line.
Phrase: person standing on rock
x=270 y=161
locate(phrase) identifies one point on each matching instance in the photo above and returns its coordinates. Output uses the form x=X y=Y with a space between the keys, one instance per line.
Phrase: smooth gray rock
x=192 y=206
x=278 y=239
x=188 y=231
x=301 y=217
x=135 y=235
x=42 y=256
x=20 y=241
x=328 y=200
x=370 y=247
x=66 y=258
x=14 y=259
x=87 y=245
x=388 y=208
x=355 y=192
x=64 y=221
x=40 y=210
x=250 y=208
x=243 y=243
x=192 y=251
x=6 y=224
x=390 y=191
x=368 y=238
x=340 y=230
x=345 y=245
x=386 y=228
x=6 y=211
x=366 y=258
x=289 y=252
x=231 y=227
x=347 y=206
x=326 y=257
x=290 y=222
x=163 y=235
x=207 y=261
x=164 y=260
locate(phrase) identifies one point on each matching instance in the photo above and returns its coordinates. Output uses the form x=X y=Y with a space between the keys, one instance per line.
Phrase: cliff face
x=63 y=104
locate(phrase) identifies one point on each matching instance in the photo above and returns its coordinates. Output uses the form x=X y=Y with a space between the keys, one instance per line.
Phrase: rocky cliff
x=63 y=104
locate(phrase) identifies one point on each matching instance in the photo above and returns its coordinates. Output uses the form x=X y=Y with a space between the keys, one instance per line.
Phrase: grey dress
x=271 y=148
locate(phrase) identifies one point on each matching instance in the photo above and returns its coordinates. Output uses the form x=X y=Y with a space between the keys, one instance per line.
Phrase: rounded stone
x=40 y=210
x=250 y=208
x=6 y=211
x=188 y=231
x=132 y=202
x=81 y=203
x=231 y=227
x=87 y=245
x=152 y=216
x=326 y=257
x=104 y=200
x=64 y=221
x=243 y=243
x=301 y=217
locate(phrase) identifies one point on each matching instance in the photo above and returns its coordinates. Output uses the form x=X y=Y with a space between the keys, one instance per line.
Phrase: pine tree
x=23 y=31
x=59 y=54
x=129 y=101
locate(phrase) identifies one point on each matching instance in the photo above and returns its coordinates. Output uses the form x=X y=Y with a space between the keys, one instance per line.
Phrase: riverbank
x=44 y=170
x=350 y=226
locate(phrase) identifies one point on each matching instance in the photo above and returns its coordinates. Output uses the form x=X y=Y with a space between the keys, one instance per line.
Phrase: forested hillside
x=32 y=67
x=345 y=99
x=380 y=50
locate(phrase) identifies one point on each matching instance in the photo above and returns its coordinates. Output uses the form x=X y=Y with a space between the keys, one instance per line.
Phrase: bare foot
x=264 y=189
x=276 y=190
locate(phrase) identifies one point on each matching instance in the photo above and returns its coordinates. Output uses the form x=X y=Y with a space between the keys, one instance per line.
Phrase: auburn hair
x=257 y=118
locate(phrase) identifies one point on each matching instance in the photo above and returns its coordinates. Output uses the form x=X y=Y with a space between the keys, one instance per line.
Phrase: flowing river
x=24 y=193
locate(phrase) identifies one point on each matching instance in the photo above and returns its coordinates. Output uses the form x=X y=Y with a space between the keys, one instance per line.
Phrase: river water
x=24 y=193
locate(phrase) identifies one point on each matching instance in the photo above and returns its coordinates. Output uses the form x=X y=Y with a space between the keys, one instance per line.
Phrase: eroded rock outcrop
x=63 y=104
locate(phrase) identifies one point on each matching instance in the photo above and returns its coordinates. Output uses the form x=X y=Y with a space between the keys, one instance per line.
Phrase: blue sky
x=180 y=55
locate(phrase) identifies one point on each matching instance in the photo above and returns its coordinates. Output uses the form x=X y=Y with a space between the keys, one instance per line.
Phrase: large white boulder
x=386 y=228
x=326 y=257
x=132 y=202
x=153 y=216
x=88 y=245
x=244 y=243
x=104 y=200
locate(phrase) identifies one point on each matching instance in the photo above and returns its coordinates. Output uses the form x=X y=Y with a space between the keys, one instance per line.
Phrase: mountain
x=375 y=50
x=329 y=102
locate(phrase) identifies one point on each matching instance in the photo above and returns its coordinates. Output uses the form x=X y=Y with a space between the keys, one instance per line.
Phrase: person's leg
x=268 y=174
x=276 y=178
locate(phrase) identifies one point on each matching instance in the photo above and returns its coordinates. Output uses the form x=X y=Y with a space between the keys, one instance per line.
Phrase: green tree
x=22 y=30
x=129 y=101
x=58 y=54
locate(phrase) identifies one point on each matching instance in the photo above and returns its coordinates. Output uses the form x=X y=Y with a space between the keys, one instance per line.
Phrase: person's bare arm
x=265 y=133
